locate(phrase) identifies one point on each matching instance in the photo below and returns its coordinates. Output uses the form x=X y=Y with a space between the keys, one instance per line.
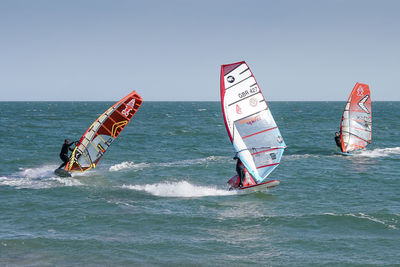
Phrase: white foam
x=371 y=218
x=128 y=165
x=39 y=172
x=179 y=189
x=37 y=178
x=68 y=181
x=379 y=152
x=365 y=216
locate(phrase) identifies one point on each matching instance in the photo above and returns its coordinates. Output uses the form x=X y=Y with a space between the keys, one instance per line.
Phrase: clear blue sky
x=172 y=50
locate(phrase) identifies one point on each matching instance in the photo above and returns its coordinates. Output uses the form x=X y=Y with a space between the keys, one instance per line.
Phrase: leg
x=65 y=160
x=241 y=176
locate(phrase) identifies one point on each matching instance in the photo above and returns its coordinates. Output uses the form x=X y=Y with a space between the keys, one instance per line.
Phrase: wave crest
x=379 y=152
x=37 y=178
x=130 y=165
x=179 y=189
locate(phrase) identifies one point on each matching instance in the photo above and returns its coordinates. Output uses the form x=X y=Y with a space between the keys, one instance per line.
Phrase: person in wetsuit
x=239 y=170
x=64 y=152
x=338 y=140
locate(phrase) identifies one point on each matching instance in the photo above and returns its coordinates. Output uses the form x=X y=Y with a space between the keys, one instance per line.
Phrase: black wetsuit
x=64 y=154
x=338 y=142
x=239 y=170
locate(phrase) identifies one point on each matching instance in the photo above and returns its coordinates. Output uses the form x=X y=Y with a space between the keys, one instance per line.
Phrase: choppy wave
x=179 y=189
x=367 y=217
x=130 y=165
x=379 y=152
x=37 y=178
x=305 y=156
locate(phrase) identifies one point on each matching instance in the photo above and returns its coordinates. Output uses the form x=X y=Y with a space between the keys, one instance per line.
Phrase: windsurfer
x=64 y=152
x=239 y=170
x=338 y=140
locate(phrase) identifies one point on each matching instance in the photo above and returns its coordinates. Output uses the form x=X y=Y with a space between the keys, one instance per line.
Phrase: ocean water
x=159 y=195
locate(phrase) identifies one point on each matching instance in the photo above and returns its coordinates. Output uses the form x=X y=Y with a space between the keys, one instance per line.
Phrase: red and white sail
x=249 y=122
x=98 y=138
x=356 y=124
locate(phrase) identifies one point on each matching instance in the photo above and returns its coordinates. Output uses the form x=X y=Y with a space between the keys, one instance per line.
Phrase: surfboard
x=356 y=122
x=249 y=123
x=259 y=187
x=233 y=183
x=62 y=173
x=102 y=133
x=345 y=154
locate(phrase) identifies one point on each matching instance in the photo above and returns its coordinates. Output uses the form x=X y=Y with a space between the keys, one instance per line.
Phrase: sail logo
x=253 y=102
x=117 y=128
x=243 y=94
x=128 y=108
x=238 y=109
x=362 y=105
x=230 y=79
x=360 y=91
x=251 y=121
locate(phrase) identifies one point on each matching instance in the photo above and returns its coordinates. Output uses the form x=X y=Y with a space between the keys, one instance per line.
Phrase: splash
x=37 y=178
x=179 y=189
x=379 y=152
x=128 y=165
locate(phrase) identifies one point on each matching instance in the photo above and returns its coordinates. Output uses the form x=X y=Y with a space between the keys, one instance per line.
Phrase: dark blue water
x=159 y=194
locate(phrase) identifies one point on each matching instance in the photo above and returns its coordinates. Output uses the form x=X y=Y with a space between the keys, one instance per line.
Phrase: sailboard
x=250 y=125
x=62 y=173
x=356 y=123
x=102 y=133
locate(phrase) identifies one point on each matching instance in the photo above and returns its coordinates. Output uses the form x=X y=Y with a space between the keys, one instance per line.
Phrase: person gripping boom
x=338 y=140
x=64 y=152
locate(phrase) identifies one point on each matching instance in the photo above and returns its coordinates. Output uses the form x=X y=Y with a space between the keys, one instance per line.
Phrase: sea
x=159 y=195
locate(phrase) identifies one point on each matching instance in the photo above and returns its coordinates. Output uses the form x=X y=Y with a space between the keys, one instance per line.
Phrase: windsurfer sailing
x=239 y=170
x=338 y=140
x=64 y=152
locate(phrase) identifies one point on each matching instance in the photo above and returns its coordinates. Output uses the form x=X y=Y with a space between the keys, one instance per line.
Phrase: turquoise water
x=159 y=194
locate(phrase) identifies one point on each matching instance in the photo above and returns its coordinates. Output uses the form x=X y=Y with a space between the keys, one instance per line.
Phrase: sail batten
x=249 y=122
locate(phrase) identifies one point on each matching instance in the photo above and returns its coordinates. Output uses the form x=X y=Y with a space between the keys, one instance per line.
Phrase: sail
x=100 y=135
x=249 y=122
x=356 y=124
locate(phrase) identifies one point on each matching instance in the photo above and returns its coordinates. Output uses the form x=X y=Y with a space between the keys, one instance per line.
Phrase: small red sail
x=356 y=124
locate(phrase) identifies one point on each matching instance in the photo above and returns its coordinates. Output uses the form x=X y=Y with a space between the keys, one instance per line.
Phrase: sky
x=172 y=50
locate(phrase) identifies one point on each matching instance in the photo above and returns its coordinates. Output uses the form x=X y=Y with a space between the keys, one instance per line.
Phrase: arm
x=73 y=143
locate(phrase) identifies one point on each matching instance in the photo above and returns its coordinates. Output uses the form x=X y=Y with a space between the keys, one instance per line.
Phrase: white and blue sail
x=249 y=122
